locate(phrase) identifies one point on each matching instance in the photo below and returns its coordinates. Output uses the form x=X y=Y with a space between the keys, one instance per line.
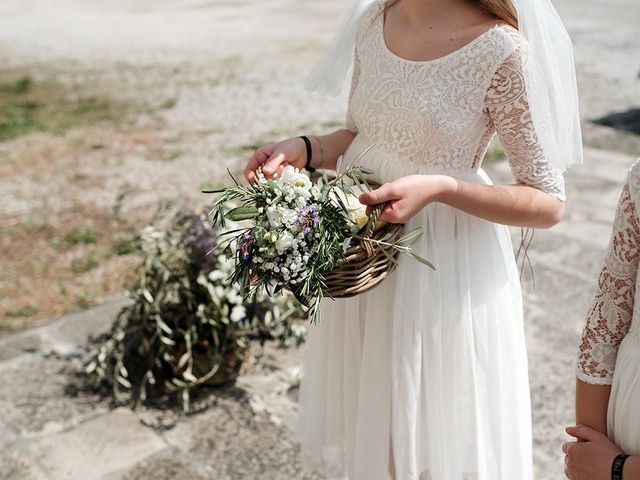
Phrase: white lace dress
x=425 y=377
x=610 y=348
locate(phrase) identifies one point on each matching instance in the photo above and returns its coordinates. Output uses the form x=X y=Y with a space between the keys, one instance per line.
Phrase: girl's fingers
x=382 y=194
x=272 y=165
x=259 y=158
x=583 y=432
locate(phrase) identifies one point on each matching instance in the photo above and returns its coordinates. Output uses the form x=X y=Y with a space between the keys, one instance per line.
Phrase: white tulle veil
x=549 y=73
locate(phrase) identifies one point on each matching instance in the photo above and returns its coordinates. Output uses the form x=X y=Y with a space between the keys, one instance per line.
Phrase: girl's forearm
x=518 y=205
x=327 y=148
x=592 y=402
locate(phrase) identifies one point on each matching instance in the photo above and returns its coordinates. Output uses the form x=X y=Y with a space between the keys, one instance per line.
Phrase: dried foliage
x=188 y=324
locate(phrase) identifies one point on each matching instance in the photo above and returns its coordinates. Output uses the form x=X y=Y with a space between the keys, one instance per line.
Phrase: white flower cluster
x=290 y=227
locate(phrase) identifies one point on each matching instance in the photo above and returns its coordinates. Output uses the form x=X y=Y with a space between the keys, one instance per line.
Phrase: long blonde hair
x=502 y=9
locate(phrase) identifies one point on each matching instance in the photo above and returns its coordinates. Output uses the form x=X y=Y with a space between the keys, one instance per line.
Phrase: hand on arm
x=589 y=457
x=510 y=204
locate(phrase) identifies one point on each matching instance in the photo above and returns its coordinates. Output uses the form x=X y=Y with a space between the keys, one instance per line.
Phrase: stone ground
x=233 y=68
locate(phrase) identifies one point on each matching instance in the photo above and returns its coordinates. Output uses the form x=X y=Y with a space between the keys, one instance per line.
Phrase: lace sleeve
x=611 y=311
x=508 y=108
x=350 y=123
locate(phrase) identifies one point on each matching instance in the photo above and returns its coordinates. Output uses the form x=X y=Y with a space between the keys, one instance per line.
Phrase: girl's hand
x=275 y=156
x=591 y=456
x=406 y=196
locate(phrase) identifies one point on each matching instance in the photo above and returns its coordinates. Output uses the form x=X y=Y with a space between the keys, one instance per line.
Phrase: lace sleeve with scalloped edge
x=611 y=311
x=508 y=108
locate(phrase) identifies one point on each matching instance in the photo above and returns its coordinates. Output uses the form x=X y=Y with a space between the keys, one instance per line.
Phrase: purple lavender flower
x=309 y=217
x=201 y=239
x=245 y=246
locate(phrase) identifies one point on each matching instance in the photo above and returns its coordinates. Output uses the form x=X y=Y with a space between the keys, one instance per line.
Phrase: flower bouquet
x=299 y=234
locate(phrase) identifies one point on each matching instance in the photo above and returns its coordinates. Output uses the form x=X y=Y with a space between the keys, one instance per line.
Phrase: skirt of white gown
x=425 y=376
x=624 y=402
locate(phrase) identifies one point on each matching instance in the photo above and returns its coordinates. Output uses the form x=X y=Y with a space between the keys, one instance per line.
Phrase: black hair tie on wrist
x=618 y=466
x=307 y=144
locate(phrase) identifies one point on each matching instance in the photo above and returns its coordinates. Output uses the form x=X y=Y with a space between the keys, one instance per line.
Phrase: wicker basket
x=366 y=264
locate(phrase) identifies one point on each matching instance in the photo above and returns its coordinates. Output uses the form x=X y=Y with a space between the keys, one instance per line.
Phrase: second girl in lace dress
x=608 y=369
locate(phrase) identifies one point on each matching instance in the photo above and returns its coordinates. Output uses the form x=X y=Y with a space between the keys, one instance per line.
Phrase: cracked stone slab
x=12 y=468
x=65 y=335
x=162 y=466
x=38 y=396
x=234 y=443
x=95 y=448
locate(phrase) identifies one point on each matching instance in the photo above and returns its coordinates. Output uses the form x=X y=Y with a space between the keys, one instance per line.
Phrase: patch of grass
x=126 y=245
x=82 y=235
x=86 y=263
x=62 y=288
x=238 y=150
x=23 y=311
x=114 y=162
x=494 y=154
x=30 y=224
x=27 y=106
x=85 y=300
x=167 y=155
x=19 y=87
x=78 y=177
x=168 y=104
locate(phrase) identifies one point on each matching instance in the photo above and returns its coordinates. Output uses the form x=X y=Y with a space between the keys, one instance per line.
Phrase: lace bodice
x=613 y=309
x=440 y=115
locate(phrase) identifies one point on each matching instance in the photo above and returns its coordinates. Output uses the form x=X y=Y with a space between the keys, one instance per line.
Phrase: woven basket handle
x=371 y=224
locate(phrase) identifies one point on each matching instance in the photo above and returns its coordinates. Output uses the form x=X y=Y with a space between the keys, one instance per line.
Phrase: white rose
x=284 y=242
x=292 y=178
x=356 y=212
x=273 y=215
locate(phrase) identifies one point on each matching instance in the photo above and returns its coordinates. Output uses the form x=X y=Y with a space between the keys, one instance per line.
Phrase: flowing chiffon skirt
x=624 y=402
x=425 y=376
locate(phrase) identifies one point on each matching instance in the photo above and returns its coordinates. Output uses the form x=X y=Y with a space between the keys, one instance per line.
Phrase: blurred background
x=110 y=111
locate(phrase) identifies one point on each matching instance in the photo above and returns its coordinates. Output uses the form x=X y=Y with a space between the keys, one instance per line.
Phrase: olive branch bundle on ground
x=187 y=325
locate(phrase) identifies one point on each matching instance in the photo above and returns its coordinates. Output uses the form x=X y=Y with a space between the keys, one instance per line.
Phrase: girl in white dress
x=425 y=377
x=608 y=370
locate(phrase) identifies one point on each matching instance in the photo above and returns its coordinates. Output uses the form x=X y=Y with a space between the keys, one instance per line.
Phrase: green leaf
x=242 y=213
x=390 y=257
x=423 y=260
x=412 y=236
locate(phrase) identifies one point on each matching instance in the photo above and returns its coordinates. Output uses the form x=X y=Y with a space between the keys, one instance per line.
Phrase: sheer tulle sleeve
x=350 y=123
x=611 y=311
x=508 y=108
